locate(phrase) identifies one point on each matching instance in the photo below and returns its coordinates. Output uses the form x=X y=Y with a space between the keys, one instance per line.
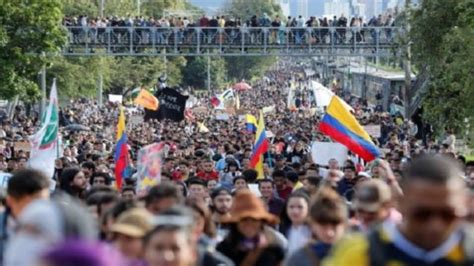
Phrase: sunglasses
x=425 y=214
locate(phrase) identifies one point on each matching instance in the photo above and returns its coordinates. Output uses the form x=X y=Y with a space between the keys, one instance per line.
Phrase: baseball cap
x=371 y=195
x=135 y=222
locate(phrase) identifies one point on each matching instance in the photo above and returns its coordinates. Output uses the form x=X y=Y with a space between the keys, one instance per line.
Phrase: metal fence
x=355 y=41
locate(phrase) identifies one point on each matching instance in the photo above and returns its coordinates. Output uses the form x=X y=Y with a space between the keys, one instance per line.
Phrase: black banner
x=172 y=104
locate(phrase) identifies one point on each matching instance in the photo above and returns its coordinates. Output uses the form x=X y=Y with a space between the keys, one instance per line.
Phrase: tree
x=249 y=68
x=245 y=9
x=195 y=72
x=130 y=72
x=78 y=76
x=28 y=29
x=443 y=40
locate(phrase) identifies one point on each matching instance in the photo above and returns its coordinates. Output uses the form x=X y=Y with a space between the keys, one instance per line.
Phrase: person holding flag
x=251 y=123
x=121 y=156
x=45 y=142
x=260 y=148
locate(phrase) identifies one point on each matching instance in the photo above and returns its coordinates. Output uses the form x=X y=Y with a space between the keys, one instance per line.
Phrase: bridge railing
x=137 y=39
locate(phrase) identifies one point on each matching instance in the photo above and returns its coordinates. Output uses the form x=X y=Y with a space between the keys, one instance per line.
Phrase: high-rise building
x=316 y=8
x=285 y=7
x=299 y=7
x=337 y=7
x=374 y=8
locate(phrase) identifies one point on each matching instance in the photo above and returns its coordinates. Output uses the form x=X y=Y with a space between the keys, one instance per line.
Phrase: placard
x=373 y=130
x=115 y=98
x=4 y=177
x=322 y=152
x=222 y=117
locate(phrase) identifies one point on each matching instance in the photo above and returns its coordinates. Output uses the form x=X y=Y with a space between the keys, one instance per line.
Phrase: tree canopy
x=443 y=40
x=28 y=29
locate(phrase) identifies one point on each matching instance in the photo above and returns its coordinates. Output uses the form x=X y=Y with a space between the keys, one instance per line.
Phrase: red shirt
x=285 y=193
x=208 y=175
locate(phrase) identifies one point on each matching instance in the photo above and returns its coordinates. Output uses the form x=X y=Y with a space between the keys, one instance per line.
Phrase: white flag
x=226 y=96
x=324 y=95
x=44 y=143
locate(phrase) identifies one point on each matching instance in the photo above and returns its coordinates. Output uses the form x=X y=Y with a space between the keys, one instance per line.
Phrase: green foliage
x=79 y=76
x=130 y=72
x=248 y=68
x=443 y=39
x=247 y=8
x=155 y=8
x=195 y=72
x=28 y=28
x=74 y=8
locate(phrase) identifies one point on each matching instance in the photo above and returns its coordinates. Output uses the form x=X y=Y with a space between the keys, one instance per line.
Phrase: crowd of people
x=228 y=29
x=412 y=206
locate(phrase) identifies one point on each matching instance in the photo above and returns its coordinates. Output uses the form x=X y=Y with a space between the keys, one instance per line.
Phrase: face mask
x=24 y=249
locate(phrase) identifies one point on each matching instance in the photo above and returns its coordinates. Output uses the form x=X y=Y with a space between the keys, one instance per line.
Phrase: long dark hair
x=67 y=176
x=286 y=223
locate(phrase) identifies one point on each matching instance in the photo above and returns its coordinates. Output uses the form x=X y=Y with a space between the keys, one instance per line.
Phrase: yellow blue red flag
x=260 y=147
x=343 y=127
x=121 y=151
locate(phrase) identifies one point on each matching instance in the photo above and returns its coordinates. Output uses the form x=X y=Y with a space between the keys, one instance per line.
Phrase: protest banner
x=373 y=130
x=149 y=162
x=322 y=152
x=172 y=105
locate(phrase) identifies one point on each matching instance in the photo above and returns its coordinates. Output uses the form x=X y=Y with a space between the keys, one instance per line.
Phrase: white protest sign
x=269 y=134
x=322 y=152
x=222 y=117
x=268 y=109
x=4 y=177
x=115 y=98
x=373 y=130
x=254 y=189
x=136 y=119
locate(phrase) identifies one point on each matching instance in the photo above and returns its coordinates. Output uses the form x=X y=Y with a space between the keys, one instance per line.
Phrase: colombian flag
x=147 y=100
x=251 y=123
x=342 y=126
x=260 y=147
x=121 y=151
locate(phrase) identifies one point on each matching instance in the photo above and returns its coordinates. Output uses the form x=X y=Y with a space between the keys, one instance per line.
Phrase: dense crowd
x=412 y=206
x=281 y=30
x=386 y=20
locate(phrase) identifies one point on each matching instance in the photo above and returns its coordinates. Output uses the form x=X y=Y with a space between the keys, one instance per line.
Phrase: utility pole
x=43 y=89
x=138 y=6
x=100 y=90
x=208 y=71
x=102 y=8
x=407 y=61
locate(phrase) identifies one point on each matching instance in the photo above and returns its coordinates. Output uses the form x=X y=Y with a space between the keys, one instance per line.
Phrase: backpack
x=377 y=256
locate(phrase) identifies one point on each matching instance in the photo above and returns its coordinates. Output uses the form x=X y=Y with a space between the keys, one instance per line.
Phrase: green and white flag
x=44 y=143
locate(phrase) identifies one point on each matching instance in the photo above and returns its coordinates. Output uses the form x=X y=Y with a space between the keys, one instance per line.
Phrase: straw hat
x=247 y=205
x=135 y=222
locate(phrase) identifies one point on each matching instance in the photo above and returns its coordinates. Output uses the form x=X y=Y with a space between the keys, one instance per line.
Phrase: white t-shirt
x=298 y=237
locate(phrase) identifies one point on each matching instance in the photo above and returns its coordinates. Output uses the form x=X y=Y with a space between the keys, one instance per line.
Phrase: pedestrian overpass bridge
x=243 y=41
